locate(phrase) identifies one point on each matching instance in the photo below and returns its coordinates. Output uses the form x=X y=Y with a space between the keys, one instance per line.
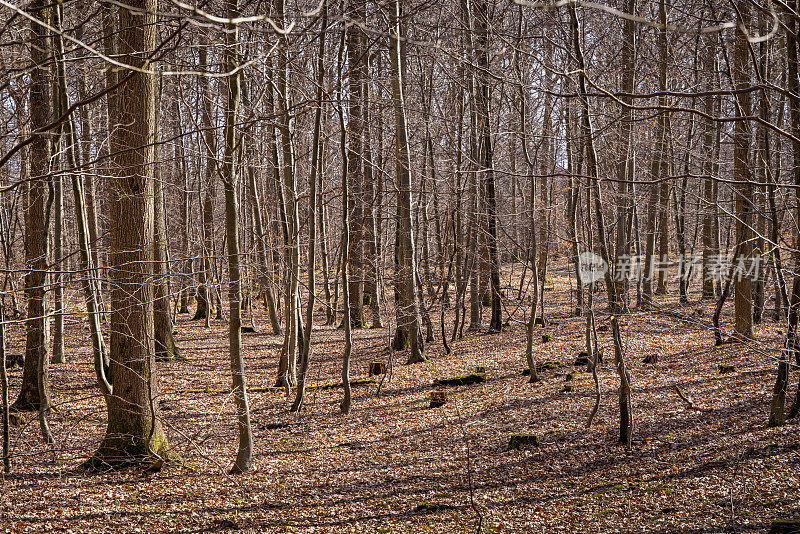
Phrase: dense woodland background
x=318 y=193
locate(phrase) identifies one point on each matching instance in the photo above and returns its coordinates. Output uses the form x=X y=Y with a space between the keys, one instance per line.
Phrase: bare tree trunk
x=626 y=168
x=313 y=202
x=4 y=391
x=743 y=299
x=409 y=323
x=37 y=339
x=134 y=431
x=357 y=59
x=792 y=344
x=165 y=346
x=626 y=416
x=487 y=154
x=710 y=252
x=230 y=184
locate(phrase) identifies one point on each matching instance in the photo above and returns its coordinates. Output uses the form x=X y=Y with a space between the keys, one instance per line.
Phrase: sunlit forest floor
x=395 y=465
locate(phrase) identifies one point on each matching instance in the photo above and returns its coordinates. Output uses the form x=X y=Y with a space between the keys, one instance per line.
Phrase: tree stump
x=523 y=441
x=650 y=358
x=438 y=399
x=547 y=338
x=377 y=368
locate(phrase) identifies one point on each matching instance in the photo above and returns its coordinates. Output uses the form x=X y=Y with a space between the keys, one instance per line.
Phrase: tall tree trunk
x=165 y=346
x=743 y=299
x=204 y=308
x=626 y=416
x=487 y=163
x=230 y=185
x=626 y=168
x=357 y=59
x=710 y=253
x=88 y=280
x=792 y=343
x=37 y=325
x=408 y=326
x=134 y=431
x=313 y=203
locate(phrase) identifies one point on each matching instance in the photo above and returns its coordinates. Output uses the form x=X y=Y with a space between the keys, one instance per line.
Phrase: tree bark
x=134 y=431
x=37 y=339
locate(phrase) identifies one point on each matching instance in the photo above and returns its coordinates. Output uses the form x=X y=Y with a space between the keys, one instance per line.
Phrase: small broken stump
x=438 y=399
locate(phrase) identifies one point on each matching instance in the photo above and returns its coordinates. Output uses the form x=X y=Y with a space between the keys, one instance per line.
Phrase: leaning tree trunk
x=90 y=290
x=134 y=431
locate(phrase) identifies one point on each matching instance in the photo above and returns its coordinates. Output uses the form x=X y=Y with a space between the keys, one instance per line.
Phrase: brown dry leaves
x=394 y=465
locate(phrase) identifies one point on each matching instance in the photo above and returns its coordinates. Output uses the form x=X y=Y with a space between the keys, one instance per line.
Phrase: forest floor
x=394 y=465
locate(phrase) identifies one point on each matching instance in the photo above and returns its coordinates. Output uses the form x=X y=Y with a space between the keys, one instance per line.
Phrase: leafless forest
x=400 y=265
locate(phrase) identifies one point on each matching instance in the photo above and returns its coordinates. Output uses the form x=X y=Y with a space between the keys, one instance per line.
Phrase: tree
x=134 y=432
x=408 y=327
x=230 y=184
x=37 y=208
